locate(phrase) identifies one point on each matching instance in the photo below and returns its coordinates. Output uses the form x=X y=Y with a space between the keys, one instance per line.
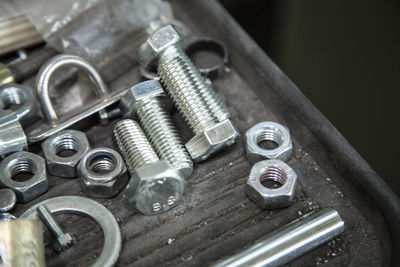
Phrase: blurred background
x=345 y=57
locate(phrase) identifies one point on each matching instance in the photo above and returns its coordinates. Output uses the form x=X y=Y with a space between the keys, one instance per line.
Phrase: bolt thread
x=133 y=144
x=196 y=100
x=48 y=219
x=159 y=128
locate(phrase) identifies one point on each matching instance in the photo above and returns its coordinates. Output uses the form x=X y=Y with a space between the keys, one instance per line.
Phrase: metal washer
x=88 y=207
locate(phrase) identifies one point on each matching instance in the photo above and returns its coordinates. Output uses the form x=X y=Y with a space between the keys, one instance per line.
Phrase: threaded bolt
x=145 y=100
x=62 y=240
x=201 y=108
x=155 y=185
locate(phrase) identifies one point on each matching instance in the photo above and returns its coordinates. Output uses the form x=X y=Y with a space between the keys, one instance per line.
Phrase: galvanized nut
x=103 y=173
x=276 y=195
x=268 y=131
x=71 y=140
x=27 y=110
x=24 y=163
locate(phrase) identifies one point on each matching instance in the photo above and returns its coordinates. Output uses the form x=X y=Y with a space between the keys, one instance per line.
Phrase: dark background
x=345 y=57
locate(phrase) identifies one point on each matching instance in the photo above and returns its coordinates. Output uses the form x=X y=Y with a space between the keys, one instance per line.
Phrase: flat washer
x=80 y=205
x=8 y=199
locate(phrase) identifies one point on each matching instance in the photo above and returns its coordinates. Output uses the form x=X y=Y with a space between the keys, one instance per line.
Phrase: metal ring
x=107 y=221
x=213 y=46
x=45 y=73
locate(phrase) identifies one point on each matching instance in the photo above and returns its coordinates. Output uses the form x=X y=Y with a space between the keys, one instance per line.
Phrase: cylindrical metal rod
x=291 y=241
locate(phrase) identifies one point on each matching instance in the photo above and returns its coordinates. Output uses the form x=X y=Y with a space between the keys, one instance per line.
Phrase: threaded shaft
x=133 y=145
x=196 y=100
x=159 y=128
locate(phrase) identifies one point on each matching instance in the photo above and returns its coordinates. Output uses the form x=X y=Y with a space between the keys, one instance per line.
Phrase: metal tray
x=215 y=218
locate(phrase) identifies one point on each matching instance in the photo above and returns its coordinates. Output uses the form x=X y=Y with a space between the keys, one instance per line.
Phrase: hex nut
x=65 y=140
x=271 y=170
x=158 y=41
x=16 y=94
x=155 y=188
x=103 y=173
x=212 y=140
x=268 y=131
x=24 y=162
x=8 y=199
x=138 y=92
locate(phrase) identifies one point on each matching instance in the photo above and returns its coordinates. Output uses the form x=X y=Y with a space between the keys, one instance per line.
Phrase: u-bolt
x=51 y=66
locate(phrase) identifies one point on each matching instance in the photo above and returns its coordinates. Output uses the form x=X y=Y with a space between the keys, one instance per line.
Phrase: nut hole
x=273 y=178
x=13 y=98
x=22 y=170
x=102 y=163
x=66 y=146
x=270 y=138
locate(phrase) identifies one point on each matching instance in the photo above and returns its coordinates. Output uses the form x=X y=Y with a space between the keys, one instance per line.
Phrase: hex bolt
x=62 y=240
x=145 y=99
x=201 y=108
x=155 y=185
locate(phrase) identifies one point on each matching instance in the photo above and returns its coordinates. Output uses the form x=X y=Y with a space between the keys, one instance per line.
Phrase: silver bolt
x=201 y=108
x=155 y=185
x=145 y=100
x=62 y=240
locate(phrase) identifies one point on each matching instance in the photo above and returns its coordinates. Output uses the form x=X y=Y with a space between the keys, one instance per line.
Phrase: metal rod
x=291 y=241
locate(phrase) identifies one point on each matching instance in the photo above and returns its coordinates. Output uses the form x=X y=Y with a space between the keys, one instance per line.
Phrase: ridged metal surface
x=198 y=103
x=133 y=144
x=162 y=134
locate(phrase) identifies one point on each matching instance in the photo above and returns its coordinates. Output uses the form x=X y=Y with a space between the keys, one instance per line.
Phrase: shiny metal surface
x=282 y=179
x=88 y=207
x=5 y=216
x=146 y=101
x=46 y=130
x=155 y=185
x=291 y=241
x=71 y=140
x=102 y=172
x=12 y=135
x=268 y=131
x=8 y=199
x=201 y=108
x=24 y=163
x=51 y=66
x=21 y=243
x=62 y=240
x=27 y=110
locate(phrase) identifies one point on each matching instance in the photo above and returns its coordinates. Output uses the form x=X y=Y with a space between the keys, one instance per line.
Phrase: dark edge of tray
x=346 y=159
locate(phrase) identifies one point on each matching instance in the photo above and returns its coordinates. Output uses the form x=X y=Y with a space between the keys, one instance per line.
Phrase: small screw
x=62 y=240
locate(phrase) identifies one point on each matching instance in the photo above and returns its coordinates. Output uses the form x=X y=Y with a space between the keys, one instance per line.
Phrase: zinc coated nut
x=273 y=171
x=24 y=162
x=268 y=131
x=65 y=140
x=103 y=173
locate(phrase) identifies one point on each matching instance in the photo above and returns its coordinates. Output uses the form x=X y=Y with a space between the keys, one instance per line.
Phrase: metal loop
x=47 y=70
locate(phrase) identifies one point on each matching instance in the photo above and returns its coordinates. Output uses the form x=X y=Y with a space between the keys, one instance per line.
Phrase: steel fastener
x=65 y=140
x=24 y=162
x=12 y=135
x=275 y=171
x=146 y=100
x=268 y=131
x=201 y=108
x=62 y=240
x=155 y=185
x=103 y=173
